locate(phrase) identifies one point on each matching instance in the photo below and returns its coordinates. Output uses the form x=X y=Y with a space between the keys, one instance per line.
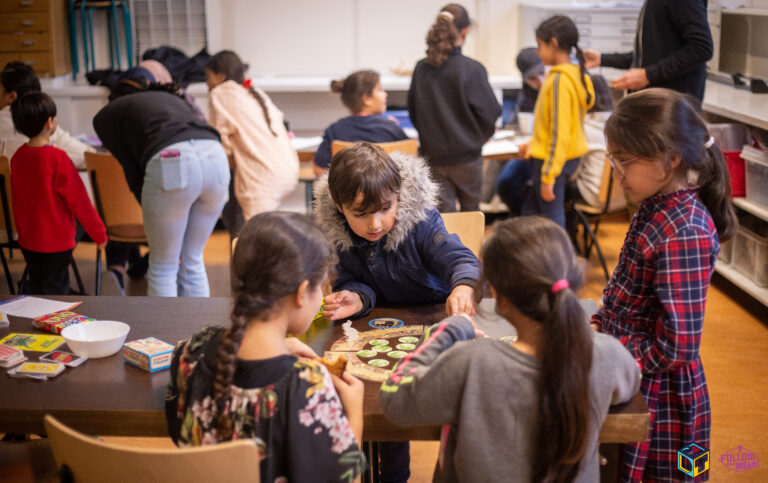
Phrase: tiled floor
x=734 y=351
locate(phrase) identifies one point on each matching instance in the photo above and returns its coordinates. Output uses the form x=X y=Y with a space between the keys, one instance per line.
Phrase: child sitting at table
x=529 y=410
x=47 y=195
x=362 y=94
x=266 y=167
x=380 y=214
x=250 y=381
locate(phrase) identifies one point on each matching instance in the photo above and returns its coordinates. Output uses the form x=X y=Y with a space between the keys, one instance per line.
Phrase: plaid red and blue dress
x=654 y=304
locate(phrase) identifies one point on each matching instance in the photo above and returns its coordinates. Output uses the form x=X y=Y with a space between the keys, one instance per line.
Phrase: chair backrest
x=114 y=199
x=407 y=146
x=7 y=226
x=91 y=460
x=469 y=226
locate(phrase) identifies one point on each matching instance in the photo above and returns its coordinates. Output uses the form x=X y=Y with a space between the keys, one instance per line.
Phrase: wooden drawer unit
x=36 y=32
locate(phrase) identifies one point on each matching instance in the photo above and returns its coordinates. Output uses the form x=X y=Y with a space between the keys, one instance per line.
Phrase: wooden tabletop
x=109 y=397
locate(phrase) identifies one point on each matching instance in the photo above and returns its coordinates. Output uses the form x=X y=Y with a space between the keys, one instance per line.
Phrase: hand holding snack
x=335 y=367
x=351 y=392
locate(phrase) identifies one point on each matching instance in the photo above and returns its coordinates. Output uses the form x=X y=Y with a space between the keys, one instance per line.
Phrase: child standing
x=379 y=212
x=249 y=381
x=654 y=302
x=558 y=119
x=454 y=109
x=16 y=79
x=253 y=134
x=530 y=410
x=47 y=196
x=362 y=94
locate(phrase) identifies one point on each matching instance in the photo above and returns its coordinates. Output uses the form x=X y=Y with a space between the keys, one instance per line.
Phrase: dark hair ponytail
x=275 y=253
x=541 y=254
x=228 y=63
x=20 y=78
x=140 y=84
x=657 y=123
x=562 y=29
x=354 y=87
x=441 y=38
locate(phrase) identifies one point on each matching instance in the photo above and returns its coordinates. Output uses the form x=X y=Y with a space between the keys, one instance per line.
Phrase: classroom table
x=109 y=397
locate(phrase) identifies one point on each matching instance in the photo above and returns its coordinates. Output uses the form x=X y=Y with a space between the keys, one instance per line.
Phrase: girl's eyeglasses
x=620 y=165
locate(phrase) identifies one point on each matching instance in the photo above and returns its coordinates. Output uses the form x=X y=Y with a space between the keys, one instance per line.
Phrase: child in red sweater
x=47 y=195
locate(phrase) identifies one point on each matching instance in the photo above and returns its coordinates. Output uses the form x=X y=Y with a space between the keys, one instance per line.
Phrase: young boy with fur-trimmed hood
x=380 y=213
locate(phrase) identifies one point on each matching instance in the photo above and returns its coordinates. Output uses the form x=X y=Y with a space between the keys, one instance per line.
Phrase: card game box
x=57 y=321
x=10 y=356
x=37 y=370
x=150 y=354
x=33 y=342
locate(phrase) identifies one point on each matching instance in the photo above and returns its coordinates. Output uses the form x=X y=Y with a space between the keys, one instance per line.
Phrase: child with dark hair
x=362 y=94
x=16 y=79
x=654 y=303
x=250 y=381
x=529 y=410
x=380 y=214
x=266 y=167
x=47 y=195
x=454 y=109
x=558 y=123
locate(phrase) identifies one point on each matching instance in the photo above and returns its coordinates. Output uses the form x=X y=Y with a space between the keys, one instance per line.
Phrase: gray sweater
x=485 y=390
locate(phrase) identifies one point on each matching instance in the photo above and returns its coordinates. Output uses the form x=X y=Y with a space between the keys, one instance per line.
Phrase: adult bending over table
x=177 y=169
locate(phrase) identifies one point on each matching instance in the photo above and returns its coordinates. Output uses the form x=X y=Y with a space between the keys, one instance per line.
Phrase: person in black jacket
x=453 y=108
x=177 y=169
x=673 y=42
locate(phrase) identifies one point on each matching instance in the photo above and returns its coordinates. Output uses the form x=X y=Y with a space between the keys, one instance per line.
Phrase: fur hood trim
x=418 y=195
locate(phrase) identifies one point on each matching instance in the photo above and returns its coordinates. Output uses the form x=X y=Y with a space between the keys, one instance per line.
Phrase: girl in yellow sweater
x=558 y=119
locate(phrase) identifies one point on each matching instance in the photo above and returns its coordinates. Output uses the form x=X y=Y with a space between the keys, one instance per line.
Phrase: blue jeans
x=181 y=200
x=554 y=210
x=513 y=184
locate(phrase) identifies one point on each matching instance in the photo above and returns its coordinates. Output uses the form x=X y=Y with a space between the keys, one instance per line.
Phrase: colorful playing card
x=61 y=357
x=33 y=342
x=10 y=356
x=36 y=370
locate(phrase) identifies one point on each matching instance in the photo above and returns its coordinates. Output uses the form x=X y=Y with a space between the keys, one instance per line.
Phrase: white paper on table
x=503 y=146
x=33 y=307
x=306 y=143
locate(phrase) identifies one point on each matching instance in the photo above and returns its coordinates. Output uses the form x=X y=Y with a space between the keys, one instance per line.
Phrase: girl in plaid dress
x=654 y=302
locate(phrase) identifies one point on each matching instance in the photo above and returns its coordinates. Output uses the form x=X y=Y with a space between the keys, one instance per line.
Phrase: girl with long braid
x=266 y=167
x=558 y=119
x=529 y=410
x=250 y=381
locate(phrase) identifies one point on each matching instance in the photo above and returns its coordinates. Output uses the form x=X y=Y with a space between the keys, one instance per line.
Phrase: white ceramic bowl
x=100 y=338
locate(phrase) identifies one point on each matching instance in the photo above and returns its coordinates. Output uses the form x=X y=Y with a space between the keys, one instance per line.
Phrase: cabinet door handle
x=30 y=62
x=26 y=3
x=27 y=23
x=28 y=43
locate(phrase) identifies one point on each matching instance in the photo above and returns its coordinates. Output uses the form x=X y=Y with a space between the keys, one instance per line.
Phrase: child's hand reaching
x=522 y=151
x=351 y=392
x=460 y=301
x=547 y=192
x=298 y=348
x=340 y=305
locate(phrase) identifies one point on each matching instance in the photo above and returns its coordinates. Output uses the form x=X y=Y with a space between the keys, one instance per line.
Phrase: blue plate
x=385 y=323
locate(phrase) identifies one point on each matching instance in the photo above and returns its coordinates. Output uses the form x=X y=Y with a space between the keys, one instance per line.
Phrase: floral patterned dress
x=288 y=405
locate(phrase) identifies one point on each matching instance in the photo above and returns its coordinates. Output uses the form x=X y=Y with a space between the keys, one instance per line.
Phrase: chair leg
x=24 y=279
x=7 y=273
x=590 y=234
x=128 y=34
x=97 y=289
x=90 y=39
x=84 y=26
x=73 y=39
x=111 y=35
x=79 y=280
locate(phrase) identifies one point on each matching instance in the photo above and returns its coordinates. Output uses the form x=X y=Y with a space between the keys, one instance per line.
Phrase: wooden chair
x=87 y=460
x=589 y=216
x=407 y=146
x=115 y=203
x=9 y=230
x=469 y=226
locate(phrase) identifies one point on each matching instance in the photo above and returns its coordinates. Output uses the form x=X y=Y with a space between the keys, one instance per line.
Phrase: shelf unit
x=736 y=277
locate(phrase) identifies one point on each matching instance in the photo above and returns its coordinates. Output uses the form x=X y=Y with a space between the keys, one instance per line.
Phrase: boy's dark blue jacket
x=417 y=262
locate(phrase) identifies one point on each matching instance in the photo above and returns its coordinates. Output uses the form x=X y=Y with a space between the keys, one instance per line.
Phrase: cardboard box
x=149 y=354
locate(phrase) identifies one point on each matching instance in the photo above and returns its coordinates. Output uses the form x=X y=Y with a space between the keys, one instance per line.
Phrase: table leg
x=374 y=460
